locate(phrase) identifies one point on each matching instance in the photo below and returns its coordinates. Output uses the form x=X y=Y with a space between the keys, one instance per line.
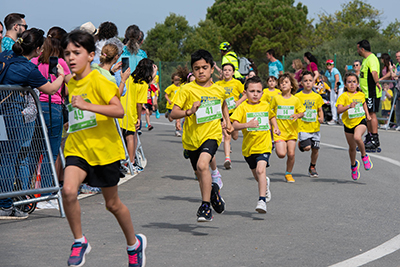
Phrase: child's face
x=254 y=92
x=77 y=58
x=351 y=84
x=308 y=82
x=286 y=86
x=385 y=86
x=271 y=83
x=202 y=71
x=176 y=80
x=227 y=72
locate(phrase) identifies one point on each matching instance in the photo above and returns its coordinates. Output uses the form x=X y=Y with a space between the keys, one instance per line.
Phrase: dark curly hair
x=107 y=30
x=183 y=73
x=144 y=71
x=29 y=41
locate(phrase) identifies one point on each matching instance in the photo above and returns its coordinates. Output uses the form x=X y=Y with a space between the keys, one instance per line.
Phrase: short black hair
x=228 y=64
x=365 y=44
x=254 y=79
x=306 y=72
x=80 y=39
x=271 y=52
x=11 y=19
x=202 y=54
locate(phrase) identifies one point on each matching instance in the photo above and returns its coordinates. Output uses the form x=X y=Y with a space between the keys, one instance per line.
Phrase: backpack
x=244 y=66
x=6 y=59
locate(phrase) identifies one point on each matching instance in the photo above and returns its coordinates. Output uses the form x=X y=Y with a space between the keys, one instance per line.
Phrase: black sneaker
x=204 y=213
x=313 y=172
x=185 y=154
x=217 y=201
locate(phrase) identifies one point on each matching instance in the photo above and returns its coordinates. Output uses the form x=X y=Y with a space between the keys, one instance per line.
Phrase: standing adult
x=107 y=30
x=312 y=63
x=337 y=86
x=388 y=67
x=369 y=84
x=297 y=65
x=15 y=25
x=229 y=56
x=134 y=40
x=397 y=75
x=275 y=67
x=1 y=34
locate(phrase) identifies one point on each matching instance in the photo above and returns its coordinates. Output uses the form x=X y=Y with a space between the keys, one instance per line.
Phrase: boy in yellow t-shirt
x=203 y=104
x=170 y=92
x=271 y=91
x=233 y=89
x=386 y=104
x=253 y=117
x=309 y=125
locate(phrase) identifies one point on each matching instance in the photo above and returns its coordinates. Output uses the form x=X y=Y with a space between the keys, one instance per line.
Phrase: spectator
x=297 y=65
x=275 y=67
x=312 y=63
x=396 y=76
x=388 y=67
x=229 y=56
x=15 y=26
x=356 y=67
x=336 y=82
x=134 y=40
x=1 y=34
x=107 y=30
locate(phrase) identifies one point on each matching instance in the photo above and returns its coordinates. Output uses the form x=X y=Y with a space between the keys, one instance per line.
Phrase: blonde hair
x=298 y=64
x=293 y=81
x=108 y=53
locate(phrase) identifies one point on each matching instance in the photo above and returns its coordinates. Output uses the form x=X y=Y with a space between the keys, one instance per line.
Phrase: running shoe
x=78 y=252
x=137 y=257
x=177 y=134
x=150 y=127
x=217 y=179
x=289 y=178
x=157 y=114
x=268 y=193
x=332 y=122
x=137 y=167
x=217 y=202
x=261 y=206
x=185 y=154
x=313 y=172
x=87 y=189
x=146 y=125
x=367 y=162
x=204 y=213
x=355 y=173
x=228 y=163
x=12 y=214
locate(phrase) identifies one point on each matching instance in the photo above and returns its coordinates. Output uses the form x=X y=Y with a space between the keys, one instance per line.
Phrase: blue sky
x=70 y=14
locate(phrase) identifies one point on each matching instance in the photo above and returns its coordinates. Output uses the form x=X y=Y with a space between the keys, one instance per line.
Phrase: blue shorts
x=253 y=159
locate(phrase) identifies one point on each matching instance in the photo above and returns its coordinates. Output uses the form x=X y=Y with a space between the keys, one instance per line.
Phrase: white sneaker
x=332 y=122
x=178 y=134
x=268 y=194
x=398 y=128
x=261 y=207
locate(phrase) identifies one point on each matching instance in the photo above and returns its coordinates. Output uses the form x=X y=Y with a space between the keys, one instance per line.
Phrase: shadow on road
x=186 y=228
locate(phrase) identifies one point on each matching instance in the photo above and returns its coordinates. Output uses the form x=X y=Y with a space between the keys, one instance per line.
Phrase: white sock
x=135 y=246
x=214 y=172
x=80 y=240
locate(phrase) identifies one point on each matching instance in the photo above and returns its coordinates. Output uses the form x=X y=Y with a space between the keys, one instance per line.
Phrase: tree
x=254 y=26
x=165 y=41
x=392 y=30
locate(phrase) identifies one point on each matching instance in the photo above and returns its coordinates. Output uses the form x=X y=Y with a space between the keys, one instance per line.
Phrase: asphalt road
x=313 y=222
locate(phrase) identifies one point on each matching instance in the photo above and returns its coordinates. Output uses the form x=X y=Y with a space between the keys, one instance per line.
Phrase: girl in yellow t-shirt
x=170 y=92
x=93 y=149
x=354 y=108
x=271 y=91
x=287 y=108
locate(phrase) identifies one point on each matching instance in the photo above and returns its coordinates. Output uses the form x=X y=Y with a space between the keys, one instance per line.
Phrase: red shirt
x=152 y=88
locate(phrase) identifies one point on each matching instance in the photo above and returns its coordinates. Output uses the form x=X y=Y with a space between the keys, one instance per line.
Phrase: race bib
x=356 y=112
x=209 y=111
x=230 y=102
x=80 y=119
x=284 y=112
x=310 y=115
x=263 y=120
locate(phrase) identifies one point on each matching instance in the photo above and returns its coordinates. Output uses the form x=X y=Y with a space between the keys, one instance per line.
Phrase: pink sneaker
x=367 y=163
x=355 y=173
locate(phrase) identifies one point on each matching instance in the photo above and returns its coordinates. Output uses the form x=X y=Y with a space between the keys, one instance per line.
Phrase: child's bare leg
x=227 y=144
x=358 y=133
x=204 y=175
x=120 y=211
x=260 y=175
x=213 y=164
x=352 y=147
x=131 y=142
x=314 y=156
x=148 y=113
x=291 y=146
x=281 y=149
x=73 y=178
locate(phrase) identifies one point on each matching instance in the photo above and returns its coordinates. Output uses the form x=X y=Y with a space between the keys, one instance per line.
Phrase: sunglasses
x=356 y=65
x=329 y=64
x=23 y=25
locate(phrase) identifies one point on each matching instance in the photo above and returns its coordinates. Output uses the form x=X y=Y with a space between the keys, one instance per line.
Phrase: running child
x=309 y=125
x=203 y=104
x=271 y=90
x=355 y=112
x=253 y=117
x=150 y=106
x=233 y=89
x=170 y=92
x=94 y=149
x=287 y=108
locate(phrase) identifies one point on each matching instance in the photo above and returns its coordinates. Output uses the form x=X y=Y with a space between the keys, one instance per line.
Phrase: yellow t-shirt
x=282 y=108
x=194 y=135
x=233 y=88
x=135 y=93
x=269 y=95
x=387 y=103
x=171 y=91
x=312 y=102
x=346 y=99
x=254 y=142
x=100 y=145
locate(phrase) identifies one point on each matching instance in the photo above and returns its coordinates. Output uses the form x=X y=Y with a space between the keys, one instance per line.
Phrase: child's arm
x=250 y=124
x=297 y=116
x=225 y=113
x=275 y=125
x=341 y=108
x=178 y=113
x=243 y=98
x=320 y=115
x=169 y=100
x=366 y=111
x=124 y=77
x=114 y=108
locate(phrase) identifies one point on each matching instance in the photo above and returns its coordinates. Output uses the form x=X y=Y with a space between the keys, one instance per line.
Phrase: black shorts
x=149 y=106
x=308 y=142
x=351 y=131
x=373 y=104
x=97 y=176
x=125 y=132
x=385 y=113
x=253 y=159
x=210 y=146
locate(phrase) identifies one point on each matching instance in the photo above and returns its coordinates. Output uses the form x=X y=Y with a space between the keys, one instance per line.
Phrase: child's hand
x=321 y=120
x=352 y=104
x=195 y=107
x=137 y=126
x=277 y=131
x=229 y=129
x=253 y=123
x=223 y=124
x=117 y=67
x=369 y=118
x=294 y=117
x=169 y=102
x=78 y=102
x=125 y=75
x=60 y=70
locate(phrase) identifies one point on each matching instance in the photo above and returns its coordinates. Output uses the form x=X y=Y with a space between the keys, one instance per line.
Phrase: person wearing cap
x=89 y=27
x=15 y=25
x=229 y=56
x=335 y=79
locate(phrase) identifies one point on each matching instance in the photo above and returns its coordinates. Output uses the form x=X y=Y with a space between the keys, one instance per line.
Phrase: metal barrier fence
x=26 y=161
x=393 y=102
